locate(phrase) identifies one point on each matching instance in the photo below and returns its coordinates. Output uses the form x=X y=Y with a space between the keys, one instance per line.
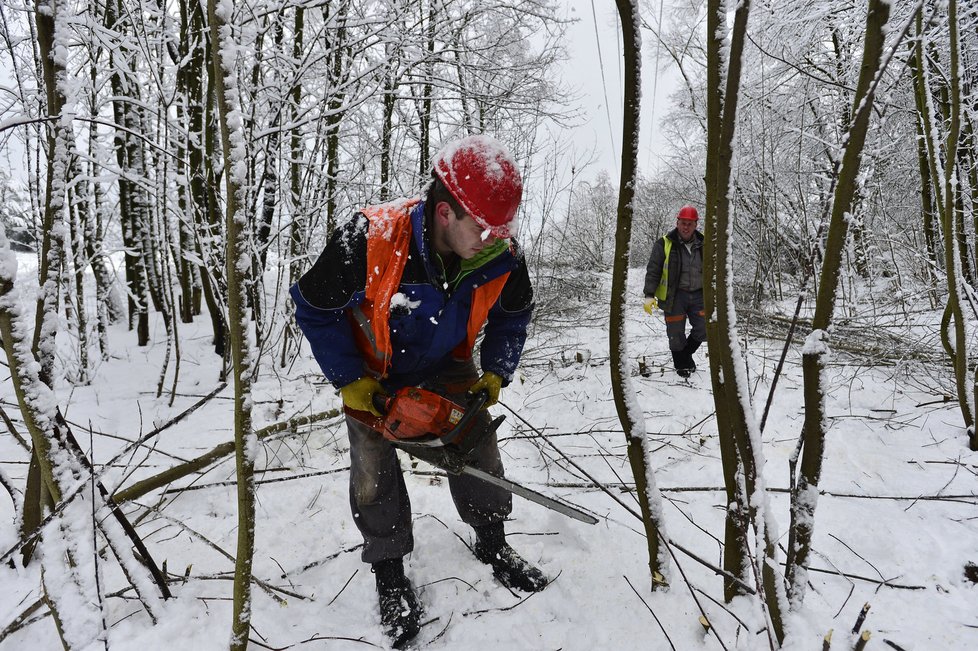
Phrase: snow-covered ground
x=901 y=506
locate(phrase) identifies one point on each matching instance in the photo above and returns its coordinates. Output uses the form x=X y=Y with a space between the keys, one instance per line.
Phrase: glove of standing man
x=359 y=394
x=492 y=383
x=651 y=305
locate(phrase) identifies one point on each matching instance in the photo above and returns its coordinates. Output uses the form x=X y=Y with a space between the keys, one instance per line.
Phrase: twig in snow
x=117 y=513
x=323 y=638
x=13 y=430
x=23 y=619
x=66 y=500
x=95 y=527
x=861 y=557
x=669 y=543
x=861 y=618
x=322 y=561
x=343 y=588
x=183 y=489
x=448 y=578
x=652 y=612
x=848 y=575
x=503 y=609
x=444 y=630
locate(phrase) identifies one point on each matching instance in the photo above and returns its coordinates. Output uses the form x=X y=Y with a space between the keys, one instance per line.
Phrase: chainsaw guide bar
x=440 y=432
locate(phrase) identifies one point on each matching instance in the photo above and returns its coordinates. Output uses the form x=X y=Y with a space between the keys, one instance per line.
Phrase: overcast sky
x=593 y=46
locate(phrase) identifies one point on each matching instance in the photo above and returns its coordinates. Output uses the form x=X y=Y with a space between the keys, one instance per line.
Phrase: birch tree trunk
x=626 y=402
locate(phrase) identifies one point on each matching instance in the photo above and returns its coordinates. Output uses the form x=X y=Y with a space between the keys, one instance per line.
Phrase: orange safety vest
x=388 y=245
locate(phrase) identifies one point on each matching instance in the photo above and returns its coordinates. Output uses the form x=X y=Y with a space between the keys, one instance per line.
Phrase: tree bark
x=625 y=399
x=238 y=260
x=805 y=494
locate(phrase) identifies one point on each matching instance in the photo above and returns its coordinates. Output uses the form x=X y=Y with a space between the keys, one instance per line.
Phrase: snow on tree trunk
x=805 y=492
x=626 y=402
x=740 y=435
x=66 y=548
x=225 y=71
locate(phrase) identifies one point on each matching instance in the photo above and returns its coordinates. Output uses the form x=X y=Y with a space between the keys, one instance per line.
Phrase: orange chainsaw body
x=413 y=412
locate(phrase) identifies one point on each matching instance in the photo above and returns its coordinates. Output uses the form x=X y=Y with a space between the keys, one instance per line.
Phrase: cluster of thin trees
x=835 y=144
x=206 y=149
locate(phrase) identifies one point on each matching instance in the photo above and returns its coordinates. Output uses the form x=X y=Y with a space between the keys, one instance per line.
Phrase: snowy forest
x=175 y=465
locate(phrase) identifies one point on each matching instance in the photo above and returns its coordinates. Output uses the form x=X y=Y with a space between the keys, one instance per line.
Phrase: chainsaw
x=443 y=433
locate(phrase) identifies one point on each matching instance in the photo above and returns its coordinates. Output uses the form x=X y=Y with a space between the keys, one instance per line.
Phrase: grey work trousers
x=685 y=305
x=379 y=499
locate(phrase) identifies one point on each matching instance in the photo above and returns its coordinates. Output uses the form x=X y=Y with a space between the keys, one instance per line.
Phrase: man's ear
x=443 y=213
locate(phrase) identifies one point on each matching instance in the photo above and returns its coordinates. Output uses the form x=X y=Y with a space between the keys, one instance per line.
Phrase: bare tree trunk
x=213 y=281
x=58 y=168
x=387 y=127
x=238 y=259
x=731 y=394
x=123 y=110
x=77 y=216
x=188 y=217
x=629 y=414
x=804 y=496
x=297 y=228
x=735 y=547
x=945 y=198
x=930 y=224
x=424 y=117
x=335 y=116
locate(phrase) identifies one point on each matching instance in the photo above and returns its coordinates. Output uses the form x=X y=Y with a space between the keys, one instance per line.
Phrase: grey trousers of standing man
x=379 y=498
x=686 y=305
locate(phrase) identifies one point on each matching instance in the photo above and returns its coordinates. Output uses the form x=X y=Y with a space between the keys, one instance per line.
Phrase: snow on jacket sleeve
x=335 y=282
x=507 y=323
x=653 y=273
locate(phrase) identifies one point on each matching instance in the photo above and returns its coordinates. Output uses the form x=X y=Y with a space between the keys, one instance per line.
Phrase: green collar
x=479 y=259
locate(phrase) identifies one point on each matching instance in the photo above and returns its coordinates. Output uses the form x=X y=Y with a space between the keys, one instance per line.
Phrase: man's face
x=686 y=228
x=463 y=237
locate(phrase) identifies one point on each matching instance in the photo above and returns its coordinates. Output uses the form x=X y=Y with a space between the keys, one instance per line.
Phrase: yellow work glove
x=359 y=394
x=651 y=305
x=492 y=383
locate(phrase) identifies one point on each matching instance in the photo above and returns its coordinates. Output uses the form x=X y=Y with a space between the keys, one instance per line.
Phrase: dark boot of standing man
x=400 y=608
x=509 y=568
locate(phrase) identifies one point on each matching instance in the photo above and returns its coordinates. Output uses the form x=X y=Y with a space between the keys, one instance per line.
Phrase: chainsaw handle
x=476 y=400
x=473 y=406
x=381 y=402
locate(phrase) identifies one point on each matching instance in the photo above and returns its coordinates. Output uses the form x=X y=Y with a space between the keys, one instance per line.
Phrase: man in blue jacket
x=396 y=299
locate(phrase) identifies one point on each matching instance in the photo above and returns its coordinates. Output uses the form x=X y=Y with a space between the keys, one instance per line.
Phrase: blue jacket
x=427 y=321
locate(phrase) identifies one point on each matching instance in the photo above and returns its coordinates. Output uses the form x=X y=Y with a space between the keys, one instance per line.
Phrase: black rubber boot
x=692 y=345
x=400 y=608
x=509 y=568
x=683 y=363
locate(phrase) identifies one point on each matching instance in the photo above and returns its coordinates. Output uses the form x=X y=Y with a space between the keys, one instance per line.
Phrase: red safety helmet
x=688 y=213
x=483 y=178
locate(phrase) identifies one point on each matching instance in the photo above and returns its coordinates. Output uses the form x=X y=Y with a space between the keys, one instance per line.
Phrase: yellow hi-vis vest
x=663 y=289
